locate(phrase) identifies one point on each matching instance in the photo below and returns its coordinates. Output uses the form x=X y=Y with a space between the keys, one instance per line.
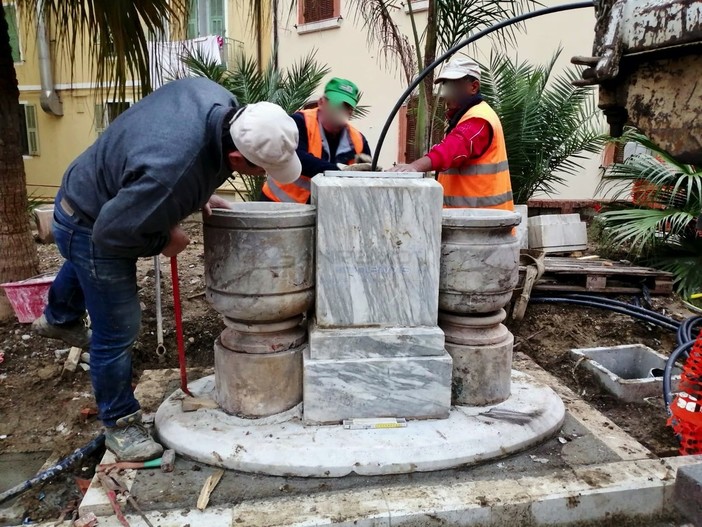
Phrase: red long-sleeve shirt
x=468 y=140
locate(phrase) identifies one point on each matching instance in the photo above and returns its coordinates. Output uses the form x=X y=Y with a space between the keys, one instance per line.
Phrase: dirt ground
x=40 y=408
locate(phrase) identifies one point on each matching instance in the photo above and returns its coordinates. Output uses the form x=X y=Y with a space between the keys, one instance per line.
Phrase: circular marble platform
x=282 y=445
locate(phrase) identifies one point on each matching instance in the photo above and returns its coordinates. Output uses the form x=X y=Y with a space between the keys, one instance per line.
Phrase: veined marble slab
x=359 y=343
x=410 y=387
x=378 y=251
x=375 y=175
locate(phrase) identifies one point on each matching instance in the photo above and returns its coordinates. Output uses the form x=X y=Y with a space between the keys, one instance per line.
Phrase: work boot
x=75 y=334
x=129 y=440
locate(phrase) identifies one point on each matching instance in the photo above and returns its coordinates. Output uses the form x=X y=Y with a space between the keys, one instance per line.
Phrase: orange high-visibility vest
x=299 y=191
x=484 y=183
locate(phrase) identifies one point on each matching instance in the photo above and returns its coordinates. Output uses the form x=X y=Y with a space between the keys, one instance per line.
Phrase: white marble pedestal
x=282 y=445
x=375 y=347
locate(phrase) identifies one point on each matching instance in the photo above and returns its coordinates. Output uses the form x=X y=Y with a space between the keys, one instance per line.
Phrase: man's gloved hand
x=363 y=158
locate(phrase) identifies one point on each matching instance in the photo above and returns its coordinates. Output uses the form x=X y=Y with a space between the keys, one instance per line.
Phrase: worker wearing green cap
x=327 y=142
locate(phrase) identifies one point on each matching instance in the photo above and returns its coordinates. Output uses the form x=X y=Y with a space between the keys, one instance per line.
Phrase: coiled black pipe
x=422 y=75
x=630 y=307
x=683 y=349
x=54 y=471
x=684 y=331
x=646 y=317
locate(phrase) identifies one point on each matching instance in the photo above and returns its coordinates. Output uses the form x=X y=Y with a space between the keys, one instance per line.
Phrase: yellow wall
x=343 y=46
x=62 y=139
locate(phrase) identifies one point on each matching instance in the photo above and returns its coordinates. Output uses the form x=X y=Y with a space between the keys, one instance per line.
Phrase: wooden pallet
x=573 y=275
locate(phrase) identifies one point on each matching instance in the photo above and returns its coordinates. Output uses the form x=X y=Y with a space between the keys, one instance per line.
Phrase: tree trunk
x=429 y=56
x=18 y=254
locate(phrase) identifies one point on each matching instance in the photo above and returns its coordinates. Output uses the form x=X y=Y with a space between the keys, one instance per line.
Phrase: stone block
x=557 y=233
x=630 y=372
x=523 y=227
x=360 y=343
x=44 y=217
x=687 y=492
x=378 y=251
x=257 y=384
x=410 y=387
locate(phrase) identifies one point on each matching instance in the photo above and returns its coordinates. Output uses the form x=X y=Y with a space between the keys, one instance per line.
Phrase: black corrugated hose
x=685 y=331
x=56 y=470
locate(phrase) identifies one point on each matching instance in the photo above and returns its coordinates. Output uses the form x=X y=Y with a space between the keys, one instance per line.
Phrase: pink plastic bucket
x=29 y=297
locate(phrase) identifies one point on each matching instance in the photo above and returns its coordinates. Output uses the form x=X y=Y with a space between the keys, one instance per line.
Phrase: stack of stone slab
x=375 y=349
x=259 y=274
x=479 y=271
x=557 y=233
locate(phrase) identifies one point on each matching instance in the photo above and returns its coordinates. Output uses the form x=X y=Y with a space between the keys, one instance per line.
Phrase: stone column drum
x=481 y=348
x=259 y=273
x=479 y=260
x=479 y=271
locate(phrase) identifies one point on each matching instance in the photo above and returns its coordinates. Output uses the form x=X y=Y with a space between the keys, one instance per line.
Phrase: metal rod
x=160 y=348
x=179 y=327
x=422 y=75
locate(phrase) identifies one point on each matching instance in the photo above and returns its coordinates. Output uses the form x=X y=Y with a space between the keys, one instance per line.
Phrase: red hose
x=179 y=326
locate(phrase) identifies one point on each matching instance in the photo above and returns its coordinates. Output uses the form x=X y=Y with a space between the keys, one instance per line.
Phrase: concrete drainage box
x=630 y=372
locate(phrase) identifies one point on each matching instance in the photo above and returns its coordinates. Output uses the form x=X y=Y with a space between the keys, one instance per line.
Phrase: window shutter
x=30 y=113
x=99 y=119
x=216 y=21
x=11 y=17
x=193 y=30
x=316 y=10
x=23 y=129
x=411 y=130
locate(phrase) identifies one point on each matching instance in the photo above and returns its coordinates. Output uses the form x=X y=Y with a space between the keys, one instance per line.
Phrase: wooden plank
x=569 y=288
x=612 y=271
x=595 y=283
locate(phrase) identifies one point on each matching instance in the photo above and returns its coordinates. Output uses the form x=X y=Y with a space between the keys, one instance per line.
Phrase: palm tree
x=459 y=19
x=548 y=123
x=116 y=33
x=659 y=227
x=290 y=88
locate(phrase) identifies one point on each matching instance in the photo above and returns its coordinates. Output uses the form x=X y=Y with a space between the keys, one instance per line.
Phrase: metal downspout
x=49 y=99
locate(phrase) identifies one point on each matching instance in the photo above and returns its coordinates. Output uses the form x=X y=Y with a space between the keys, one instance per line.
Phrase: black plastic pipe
x=630 y=307
x=683 y=349
x=423 y=74
x=54 y=471
x=616 y=309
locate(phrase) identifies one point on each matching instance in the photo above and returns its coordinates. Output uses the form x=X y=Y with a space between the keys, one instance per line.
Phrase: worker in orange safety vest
x=471 y=161
x=327 y=142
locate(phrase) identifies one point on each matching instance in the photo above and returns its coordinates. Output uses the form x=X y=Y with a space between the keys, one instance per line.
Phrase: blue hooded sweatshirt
x=154 y=165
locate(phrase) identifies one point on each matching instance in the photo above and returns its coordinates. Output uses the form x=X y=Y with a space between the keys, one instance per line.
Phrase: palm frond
x=117 y=33
x=548 y=123
x=459 y=19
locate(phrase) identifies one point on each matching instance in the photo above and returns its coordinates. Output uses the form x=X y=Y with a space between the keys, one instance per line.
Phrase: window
x=28 y=125
x=108 y=112
x=317 y=10
x=206 y=18
x=408 y=152
x=11 y=17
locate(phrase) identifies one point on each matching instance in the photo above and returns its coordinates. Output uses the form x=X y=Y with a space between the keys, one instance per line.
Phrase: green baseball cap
x=340 y=91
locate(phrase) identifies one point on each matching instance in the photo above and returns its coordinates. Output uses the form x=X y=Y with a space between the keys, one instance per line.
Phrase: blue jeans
x=106 y=286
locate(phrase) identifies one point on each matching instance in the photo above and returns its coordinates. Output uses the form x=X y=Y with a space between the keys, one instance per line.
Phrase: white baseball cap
x=457 y=68
x=267 y=137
